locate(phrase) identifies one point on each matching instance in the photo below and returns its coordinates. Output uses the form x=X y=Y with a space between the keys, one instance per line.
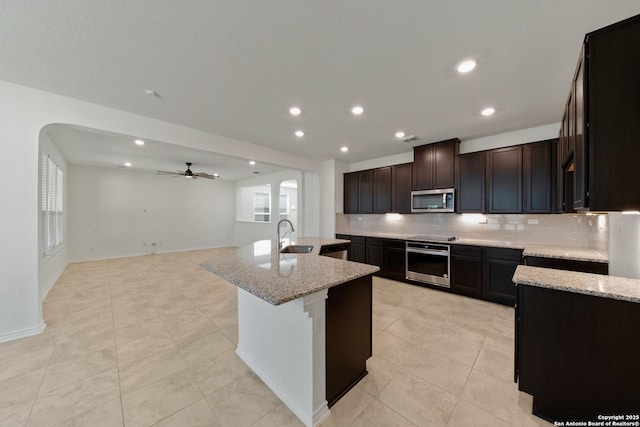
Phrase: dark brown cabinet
x=466 y=269
x=603 y=120
x=351 y=192
x=539 y=176
x=577 y=354
x=568 y=264
x=498 y=268
x=394 y=259
x=382 y=190
x=470 y=197
x=348 y=314
x=504 y=180
x=365 y=194
x=375 y=251
x=434 y=165
x=358 y=251
x=401 y=176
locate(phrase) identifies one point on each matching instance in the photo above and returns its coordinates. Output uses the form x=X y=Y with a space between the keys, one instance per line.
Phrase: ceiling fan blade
x=204 y=175
x=168 y=173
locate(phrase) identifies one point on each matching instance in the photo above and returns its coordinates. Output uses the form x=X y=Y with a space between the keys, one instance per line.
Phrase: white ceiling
x=234 y=68
x=85 y=146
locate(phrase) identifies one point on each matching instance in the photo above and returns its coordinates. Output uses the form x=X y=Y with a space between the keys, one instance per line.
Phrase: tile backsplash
x=588 y=231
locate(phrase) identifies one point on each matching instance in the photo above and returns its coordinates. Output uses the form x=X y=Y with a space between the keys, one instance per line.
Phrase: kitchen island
x=304 y=321
x=576 y=348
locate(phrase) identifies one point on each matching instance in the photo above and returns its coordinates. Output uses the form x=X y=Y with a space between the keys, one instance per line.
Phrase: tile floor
x=149 y=341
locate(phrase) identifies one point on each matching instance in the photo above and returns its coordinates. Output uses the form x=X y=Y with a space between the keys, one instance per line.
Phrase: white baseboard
x=28 y=332
x=308 y=419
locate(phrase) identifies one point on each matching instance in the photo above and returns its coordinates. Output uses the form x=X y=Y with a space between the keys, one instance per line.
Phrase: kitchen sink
x=297 y=249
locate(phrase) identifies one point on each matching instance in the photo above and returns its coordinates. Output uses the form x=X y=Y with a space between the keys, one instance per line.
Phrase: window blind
x=51 y=205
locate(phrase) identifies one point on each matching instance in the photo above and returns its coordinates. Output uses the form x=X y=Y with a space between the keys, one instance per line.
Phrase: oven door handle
x=420 y=251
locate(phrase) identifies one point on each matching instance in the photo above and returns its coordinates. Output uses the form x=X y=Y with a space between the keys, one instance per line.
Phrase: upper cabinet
x=401 y=187
x=382 y=190
x=434 y=165
x=604 y=105
x=538 y=177
x=470 y=194
x=504 y=180
x=351 y=192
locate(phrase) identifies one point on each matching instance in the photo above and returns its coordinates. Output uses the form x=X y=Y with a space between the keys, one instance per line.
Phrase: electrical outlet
x=532 y=221
x=154 y=244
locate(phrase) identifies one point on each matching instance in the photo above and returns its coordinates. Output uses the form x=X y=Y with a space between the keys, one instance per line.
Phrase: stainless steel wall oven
x=428 y=263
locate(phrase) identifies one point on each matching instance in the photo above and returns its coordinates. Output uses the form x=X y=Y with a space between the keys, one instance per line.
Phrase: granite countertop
x=277 y=278
x=620 y=288
x=538 y=250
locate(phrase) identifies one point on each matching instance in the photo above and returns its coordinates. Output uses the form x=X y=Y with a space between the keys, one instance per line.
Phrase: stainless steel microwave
x=441 y=200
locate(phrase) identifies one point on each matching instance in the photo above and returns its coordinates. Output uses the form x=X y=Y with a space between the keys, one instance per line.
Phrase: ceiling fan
x=189 y=174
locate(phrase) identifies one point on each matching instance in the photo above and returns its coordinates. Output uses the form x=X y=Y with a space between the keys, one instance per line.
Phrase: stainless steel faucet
x=292 y=229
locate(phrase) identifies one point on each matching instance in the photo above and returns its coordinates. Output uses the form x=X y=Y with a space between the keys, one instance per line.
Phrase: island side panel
x=349 y=335
x=577 y=354
x=285 y=346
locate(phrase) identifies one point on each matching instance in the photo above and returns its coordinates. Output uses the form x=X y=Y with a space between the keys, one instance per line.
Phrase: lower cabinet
x=577 y=354
x=466 y=269
x=375 y=251
x=498 y=267
x=394 y=260
x=358 y=249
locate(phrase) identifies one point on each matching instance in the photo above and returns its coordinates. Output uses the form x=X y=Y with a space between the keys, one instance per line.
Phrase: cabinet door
x=351 y=193
x=504 y=180
x=571 y=126
x=358 y=249
x=466 y=269
x=394 y=259
x=382 y=190
x=401 y=188
x=444 y=160
x=375 y=251
x=498 y=268
x=365 y=203
x=423 y=167
x=537 y=177
x=470 y=196
x=580 y=176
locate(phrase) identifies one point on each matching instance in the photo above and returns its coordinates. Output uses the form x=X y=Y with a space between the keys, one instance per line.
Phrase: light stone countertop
x=538 y=250
x=620 y=288
x=277 y=278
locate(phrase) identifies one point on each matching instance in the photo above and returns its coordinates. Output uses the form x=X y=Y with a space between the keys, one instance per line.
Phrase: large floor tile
x=155 y=402
x=348 y=408
x=242 y=402
x=17 y=395
x=280 y=416
x=107 y=415
x=66 y=402
x=418 y=401
x=23 y=364
x=468 y=415
x=140 y=348
x=150 y=369
x=501 y=399
x=380 y=373
x=199 y=349
x=219 y=371
x=377 y=414
x=79 y=368
x=197 y=415
x=495 y=363
x=438 y=370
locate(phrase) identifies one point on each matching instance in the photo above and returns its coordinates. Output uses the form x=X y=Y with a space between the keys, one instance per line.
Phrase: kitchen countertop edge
x=614 y=287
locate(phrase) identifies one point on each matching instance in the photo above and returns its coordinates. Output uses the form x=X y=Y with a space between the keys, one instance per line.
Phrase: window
x=51 y=206
x=261 y=207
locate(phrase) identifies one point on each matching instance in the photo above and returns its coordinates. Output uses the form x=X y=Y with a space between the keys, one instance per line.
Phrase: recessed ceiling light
x=252 y=163
x=299 y=133
x=488 y=111
x=295 y=111
x=466 y=66
x=400 y=134
x=150 y=92
x=344 y=149
x=127 y=164
x=357 y=110
x=216 y=175
x=138 y=142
